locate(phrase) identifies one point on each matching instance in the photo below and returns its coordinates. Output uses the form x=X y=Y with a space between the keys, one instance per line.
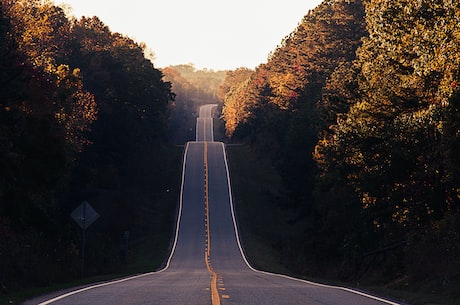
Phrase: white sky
x=213 y=34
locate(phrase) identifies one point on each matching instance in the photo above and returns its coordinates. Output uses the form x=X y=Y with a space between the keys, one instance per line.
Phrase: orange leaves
x=41 y=32
x=40 y=29
x=239 y=104
x=368 y=200
x=297 y=70
x=284 y=87
x=76 y=108
x=393 y=140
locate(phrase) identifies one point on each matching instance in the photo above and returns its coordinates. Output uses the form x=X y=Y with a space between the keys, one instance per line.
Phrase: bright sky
x=213 y=34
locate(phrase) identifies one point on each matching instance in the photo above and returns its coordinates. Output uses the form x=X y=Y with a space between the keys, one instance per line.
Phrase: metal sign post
x=126 y=238
x=84 y=215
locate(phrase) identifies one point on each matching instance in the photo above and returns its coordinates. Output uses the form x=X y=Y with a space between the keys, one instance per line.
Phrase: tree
x=389 y=141
x=78 y=105
x=393 y=136
x=41 y=31
x=232 y=79
x=279 y=108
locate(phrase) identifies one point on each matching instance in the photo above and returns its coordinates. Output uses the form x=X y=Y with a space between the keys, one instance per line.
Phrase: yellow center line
x=206 y=200
x=204 y=133
x=214 y=290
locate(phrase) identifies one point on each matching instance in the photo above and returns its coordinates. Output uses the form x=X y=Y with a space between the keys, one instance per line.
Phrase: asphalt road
x=204 y=125
x=206 y=265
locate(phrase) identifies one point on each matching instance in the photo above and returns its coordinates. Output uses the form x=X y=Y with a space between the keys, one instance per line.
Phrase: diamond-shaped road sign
x=84 y=215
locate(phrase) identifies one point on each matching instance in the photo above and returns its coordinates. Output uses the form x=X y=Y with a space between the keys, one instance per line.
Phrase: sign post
x=84 y=215
x=126 y=238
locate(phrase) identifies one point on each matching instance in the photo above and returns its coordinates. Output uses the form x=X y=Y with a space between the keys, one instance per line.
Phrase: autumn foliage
x=77 y=104
x=359 y=110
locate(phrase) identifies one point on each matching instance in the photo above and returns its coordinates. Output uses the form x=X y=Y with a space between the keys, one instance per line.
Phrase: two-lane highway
x=204 y=125
x=206 y=265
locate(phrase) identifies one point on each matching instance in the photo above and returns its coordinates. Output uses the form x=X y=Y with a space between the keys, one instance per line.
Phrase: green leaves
x=389 y=141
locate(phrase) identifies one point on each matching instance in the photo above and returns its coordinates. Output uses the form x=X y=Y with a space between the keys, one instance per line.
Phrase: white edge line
x=212 y=129
x=203 y=114
x=282 y=275
x=196 y=128
x=173 y=248
x=211 y=107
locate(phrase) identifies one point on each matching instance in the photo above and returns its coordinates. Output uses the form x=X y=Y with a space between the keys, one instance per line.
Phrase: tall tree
x=77 y=104
x=389 y=141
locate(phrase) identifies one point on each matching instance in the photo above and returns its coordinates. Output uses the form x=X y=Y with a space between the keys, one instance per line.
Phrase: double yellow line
x=214 y=290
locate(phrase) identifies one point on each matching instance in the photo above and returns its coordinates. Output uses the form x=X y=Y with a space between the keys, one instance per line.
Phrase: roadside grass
x=254 y=185
x=219 y=130
x=262 y=225
x=145 y=253
x=248 y=174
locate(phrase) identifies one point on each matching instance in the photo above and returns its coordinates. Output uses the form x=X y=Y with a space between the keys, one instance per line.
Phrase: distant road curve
x=207 y=264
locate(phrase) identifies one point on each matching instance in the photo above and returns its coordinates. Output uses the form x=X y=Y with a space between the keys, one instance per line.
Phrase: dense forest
x=83 y=116
x=358 y=110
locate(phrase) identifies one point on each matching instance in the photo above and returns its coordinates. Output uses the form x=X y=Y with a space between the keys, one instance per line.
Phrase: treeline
x=192 y=88
x=83 y=115
x=358 y=109
x=192 y=84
